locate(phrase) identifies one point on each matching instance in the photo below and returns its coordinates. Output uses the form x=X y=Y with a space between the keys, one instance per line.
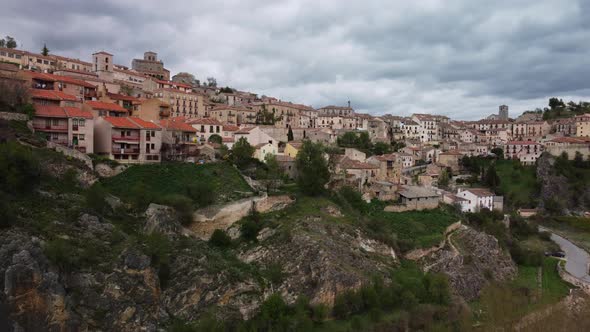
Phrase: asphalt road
x=578 y=260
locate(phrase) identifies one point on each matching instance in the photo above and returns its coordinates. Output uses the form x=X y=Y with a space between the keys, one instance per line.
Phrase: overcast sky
x=458 y=58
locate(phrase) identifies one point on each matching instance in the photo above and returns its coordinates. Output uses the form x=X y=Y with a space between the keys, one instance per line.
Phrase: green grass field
x=518 y=185
x=553 y=288
x=223 y=180
x=422 y=228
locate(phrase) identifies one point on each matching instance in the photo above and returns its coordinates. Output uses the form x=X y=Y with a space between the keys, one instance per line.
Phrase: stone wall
x=13 y=116
x=571 y=150
x=71 y=153
x=206 y=221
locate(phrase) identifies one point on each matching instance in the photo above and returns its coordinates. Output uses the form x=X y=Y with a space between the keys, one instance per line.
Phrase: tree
x=313 y=173
x=220 y=239
x=381 y=148
x=499 y=152
x=10 y=42
x=443 y=179
x=227 y=89
x=211 y=81
x=491 y=178
x=290 y=135
x=45 y=50
x=215 y=139
x=265 y=117
x=274 y=172
x=2 y=42
x=556 y=103
x=242 y=152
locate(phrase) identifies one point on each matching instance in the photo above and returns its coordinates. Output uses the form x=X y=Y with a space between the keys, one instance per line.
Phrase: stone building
x=151 y=66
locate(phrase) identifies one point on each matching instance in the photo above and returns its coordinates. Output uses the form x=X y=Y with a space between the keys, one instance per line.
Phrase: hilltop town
x=136 y=200
x=139 y=114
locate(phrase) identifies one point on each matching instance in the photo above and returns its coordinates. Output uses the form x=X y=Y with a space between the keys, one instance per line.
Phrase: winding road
x=578 y=260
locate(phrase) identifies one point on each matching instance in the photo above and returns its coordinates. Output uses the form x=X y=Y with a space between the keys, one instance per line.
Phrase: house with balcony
x=80 y=89
x=205 y=128
x=179 y=139
x=101 y=108
x=67 y=126
x=128 y=139
x=526 y=151
x=52 y=97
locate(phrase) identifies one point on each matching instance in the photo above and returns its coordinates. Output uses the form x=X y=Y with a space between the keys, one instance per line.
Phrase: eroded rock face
x=33 y=298
x=161 y=219
x=320 y=259
x=471 y=260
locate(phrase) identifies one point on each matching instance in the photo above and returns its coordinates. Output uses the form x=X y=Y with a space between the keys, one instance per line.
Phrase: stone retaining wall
x=206 y=221
x=567 y=277
x=73 y=153
x=13 y=116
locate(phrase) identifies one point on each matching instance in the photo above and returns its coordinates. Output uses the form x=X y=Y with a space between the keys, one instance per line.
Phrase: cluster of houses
x=142 y=115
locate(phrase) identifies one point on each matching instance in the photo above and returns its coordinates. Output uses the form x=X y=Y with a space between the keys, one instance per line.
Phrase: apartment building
x=181 y=98
x=69 y=85
x=206 y=127
x=526 y=151
x=227 y=114
x=583 y=125
x=68 y=126
x=101 y=108
x=127 y=139
x=179 y=139
x=53 y=97
x=336 y=111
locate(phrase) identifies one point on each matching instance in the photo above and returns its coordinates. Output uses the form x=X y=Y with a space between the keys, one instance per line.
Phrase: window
x=106 y=60
x=153 y=134
x=39 y=61
x=106 y=67
x=81 y=122
x=18 y=56
x=81 y=137
x=55 y=122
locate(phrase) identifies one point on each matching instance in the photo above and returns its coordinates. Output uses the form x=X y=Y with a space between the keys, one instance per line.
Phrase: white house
x=264 y=149
x=475 y=199
x=254 y=136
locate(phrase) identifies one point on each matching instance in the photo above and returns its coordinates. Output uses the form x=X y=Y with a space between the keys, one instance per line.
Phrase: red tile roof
x=230 y=128
x=205 y=121
x=144 y=124
x=58 y=78
x=121 y=122
x=177 y=125
x=101 y=105
x=51 y=111
x=174 y=83
x=74 y=112
x=51 y=95
x=54 y=111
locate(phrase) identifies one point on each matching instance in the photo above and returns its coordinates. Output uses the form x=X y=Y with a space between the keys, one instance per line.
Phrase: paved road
x=578 y=260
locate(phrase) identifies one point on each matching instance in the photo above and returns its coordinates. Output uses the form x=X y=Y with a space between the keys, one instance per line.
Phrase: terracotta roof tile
x=177 y=125
x=101 y=105
x=51 y=95
x=205 y=121
x=121 y=122
x=52 y=111
x=144 y=124
x=74 y=112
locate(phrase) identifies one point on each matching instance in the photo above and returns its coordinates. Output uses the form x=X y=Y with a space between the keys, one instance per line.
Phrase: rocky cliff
x=470 y=259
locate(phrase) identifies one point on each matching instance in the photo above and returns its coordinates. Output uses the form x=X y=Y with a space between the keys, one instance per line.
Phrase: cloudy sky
x=461 y=58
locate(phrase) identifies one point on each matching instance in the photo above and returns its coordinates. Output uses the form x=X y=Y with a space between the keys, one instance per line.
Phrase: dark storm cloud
x=461 y=58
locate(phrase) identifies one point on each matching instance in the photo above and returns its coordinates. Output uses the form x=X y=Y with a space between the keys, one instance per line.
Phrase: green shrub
x=62 y=253
x=95 y=198
x=183 y=206
x=7 y=213
x=203 y=194
x=220 y=239
x=250 y=227
x=19 y=169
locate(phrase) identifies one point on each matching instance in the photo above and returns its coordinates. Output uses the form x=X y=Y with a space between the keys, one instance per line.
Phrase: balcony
x=51 y=128
x=126 y=138
x=125 y=151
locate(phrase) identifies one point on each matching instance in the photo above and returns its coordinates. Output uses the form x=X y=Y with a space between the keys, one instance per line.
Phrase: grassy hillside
x=203 y=184
x=419 y=229
x=517 y=183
